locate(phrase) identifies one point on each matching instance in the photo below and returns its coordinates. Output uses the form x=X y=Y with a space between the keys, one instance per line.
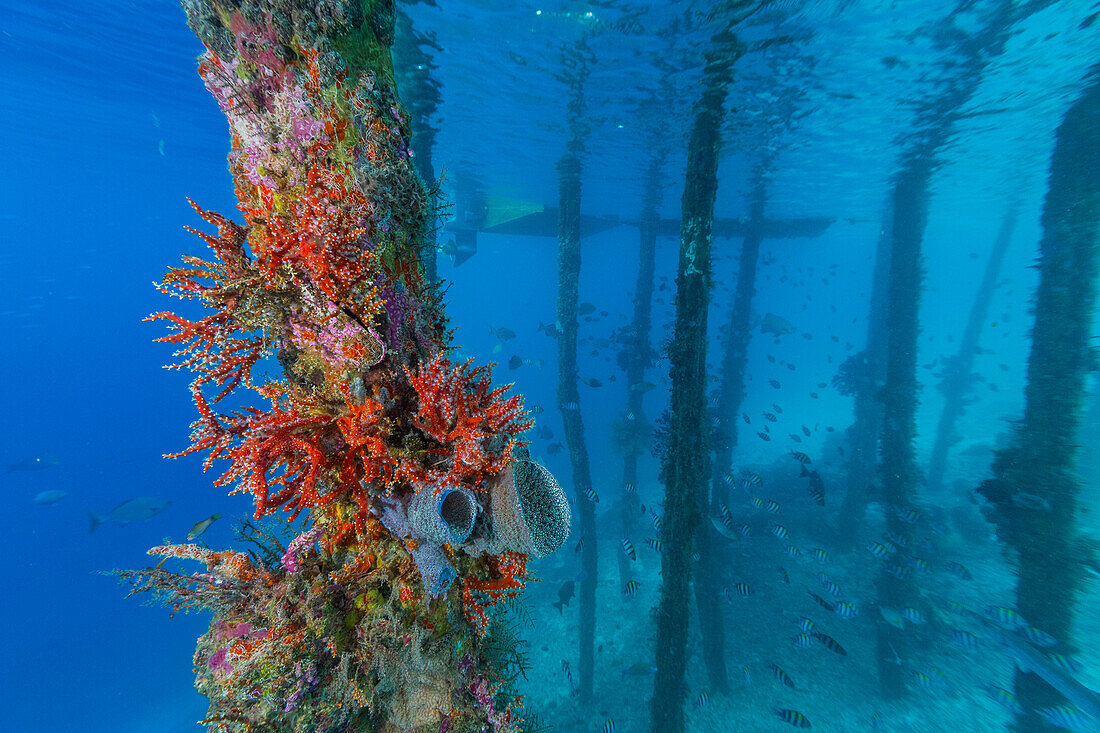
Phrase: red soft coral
x=279 y=448
x=458 y=406
x=510 y=571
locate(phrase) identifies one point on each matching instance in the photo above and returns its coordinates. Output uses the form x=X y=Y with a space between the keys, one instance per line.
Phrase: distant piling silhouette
x=862 y=376
x=958 y=370
x=736 y=338
x=638 y=355
x=569 y=267
x=899 y=472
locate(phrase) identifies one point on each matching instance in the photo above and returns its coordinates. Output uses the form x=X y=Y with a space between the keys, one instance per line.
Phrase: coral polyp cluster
x=406 y=472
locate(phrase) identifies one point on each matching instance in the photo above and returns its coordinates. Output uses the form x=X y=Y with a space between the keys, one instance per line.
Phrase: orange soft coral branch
x=368 y=457
x=281 y=447
x=208 y=344
x=457 y=400
x=511 y=572
x=218 y=358
x=229 y=244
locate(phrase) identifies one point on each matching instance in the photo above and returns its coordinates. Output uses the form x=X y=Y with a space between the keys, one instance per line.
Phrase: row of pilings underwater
x=886 y=400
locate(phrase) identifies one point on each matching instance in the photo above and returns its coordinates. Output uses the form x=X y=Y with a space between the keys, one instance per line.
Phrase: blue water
x=106 y=130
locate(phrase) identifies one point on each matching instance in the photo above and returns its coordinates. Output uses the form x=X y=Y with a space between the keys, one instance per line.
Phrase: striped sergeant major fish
x=913 y=615
x=801 y=458
x=846 y=609
x=628 y=548
x=830 y=643
x=964 y=639
x=1002 y=697
x=568 y=675
x=795 y=718
x=878 y=549
x=832 y=588
x=1068 y=718
x=781 y=675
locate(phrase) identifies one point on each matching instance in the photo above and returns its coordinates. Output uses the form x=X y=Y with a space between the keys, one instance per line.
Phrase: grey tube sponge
x=442 y=514
x=529 y=510
x=435 y=569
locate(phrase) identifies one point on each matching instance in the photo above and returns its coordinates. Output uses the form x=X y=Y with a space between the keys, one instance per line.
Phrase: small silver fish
x=46 y=498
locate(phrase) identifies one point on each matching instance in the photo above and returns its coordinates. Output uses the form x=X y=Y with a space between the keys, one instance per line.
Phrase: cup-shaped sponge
x=442 y=515
x=529 y=510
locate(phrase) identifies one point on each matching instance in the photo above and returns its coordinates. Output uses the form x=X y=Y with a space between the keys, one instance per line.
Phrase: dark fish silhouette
x=137 y=509
x=822 y=602
x=34 y=463
x=776 y=325
x=565 y=594
x=550 y=329
x=816 y=487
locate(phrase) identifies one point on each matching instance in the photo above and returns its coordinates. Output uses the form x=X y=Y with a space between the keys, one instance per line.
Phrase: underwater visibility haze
x=585 y=366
